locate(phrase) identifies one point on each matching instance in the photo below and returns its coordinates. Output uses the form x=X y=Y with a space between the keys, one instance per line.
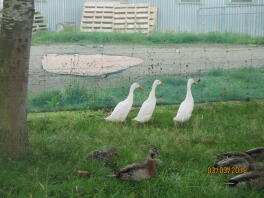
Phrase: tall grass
x=217 y=85
x=75 y=36
x=59 y=143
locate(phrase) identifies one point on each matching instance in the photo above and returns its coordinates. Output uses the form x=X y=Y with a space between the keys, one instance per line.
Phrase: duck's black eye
x=130 y=172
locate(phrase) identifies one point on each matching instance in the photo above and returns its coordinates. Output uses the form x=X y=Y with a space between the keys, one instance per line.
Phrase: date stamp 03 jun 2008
x=227 y=170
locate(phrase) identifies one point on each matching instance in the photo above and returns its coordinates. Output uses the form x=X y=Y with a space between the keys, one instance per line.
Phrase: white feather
x=186 y=107
x=121 y=111
x=185 y=111
x=146 y=111
x=123 y=108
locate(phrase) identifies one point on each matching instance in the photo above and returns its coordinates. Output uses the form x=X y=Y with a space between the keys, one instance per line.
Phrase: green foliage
x=48 y=100
x=216 y=85
x=75 y=94
x=74 y=97
x=70 y=35
x=216 y=72
x=59 y=143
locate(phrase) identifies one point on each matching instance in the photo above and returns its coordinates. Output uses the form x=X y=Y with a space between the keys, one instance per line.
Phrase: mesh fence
x=91 y=76
x=227 y=72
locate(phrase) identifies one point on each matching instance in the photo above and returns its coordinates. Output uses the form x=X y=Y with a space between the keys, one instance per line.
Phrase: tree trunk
x=15 y=42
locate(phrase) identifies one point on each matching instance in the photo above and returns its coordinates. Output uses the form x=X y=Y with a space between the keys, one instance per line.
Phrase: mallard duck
x=241 y=159
x=138 y=171
x=256 y=153
x=234 y=154
x=186 y=107
x=251 y=179
x=233 y=162
x=104 y=155
x=148 y=107
x=240 y=162
x=122 y=108
x=249 y=165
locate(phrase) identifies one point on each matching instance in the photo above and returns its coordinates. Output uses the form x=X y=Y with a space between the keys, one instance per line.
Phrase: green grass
x=217 y=85
x=60 y=141
x=75 y=36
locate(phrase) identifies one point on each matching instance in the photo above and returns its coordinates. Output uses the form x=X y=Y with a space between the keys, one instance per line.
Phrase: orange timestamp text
x=227 y=170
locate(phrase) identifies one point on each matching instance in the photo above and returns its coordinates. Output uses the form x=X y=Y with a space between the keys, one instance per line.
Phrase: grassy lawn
x=216 y=85
x=71 y=35
x=60 y=141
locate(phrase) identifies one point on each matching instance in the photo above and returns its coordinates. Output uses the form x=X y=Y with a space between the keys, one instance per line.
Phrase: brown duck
x=138 y=171
x=240 y=162
x=255 y=154
x=104 y=155
x=251 y=159
x=233 y=162
x=253 y=179
x=234 y=154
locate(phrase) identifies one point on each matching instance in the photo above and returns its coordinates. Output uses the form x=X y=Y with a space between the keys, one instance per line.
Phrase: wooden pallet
x=114 y=16
x=39 y=22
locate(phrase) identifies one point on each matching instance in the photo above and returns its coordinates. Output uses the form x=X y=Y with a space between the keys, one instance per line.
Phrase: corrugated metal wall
x=1 y=4
x=173 y=16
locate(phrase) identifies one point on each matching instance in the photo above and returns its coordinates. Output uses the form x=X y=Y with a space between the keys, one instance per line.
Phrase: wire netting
x=74 y=81
x=226 y=72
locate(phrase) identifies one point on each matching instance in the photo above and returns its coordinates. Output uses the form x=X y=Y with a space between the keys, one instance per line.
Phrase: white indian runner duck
x=148 y=107
x=123 y=108
x=186 y=107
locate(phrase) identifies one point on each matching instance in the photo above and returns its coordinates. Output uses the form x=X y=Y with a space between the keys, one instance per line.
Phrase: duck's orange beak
x=162 y=84
x=196 y=82
x=142 y=88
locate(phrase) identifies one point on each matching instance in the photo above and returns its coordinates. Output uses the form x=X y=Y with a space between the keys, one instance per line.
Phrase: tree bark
x=15 y=42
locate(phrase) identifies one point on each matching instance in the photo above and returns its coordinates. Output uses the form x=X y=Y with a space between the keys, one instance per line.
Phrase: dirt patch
x=87 y=65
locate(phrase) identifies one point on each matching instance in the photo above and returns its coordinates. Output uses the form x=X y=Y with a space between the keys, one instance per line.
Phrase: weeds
x=75 y=36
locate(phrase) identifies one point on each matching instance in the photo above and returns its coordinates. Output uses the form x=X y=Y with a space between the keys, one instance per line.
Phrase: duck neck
x=150 y=165
x=150 y=157
x=189 y=92
x=152 y=93
x=131 y=93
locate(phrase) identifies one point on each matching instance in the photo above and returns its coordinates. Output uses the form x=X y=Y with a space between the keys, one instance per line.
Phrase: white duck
x=185 y=110
x=148 y=107
x=122 y=108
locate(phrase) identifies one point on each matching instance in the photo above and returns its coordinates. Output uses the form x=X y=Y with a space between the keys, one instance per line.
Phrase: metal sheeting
x=173 y=16
x=236 y=18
